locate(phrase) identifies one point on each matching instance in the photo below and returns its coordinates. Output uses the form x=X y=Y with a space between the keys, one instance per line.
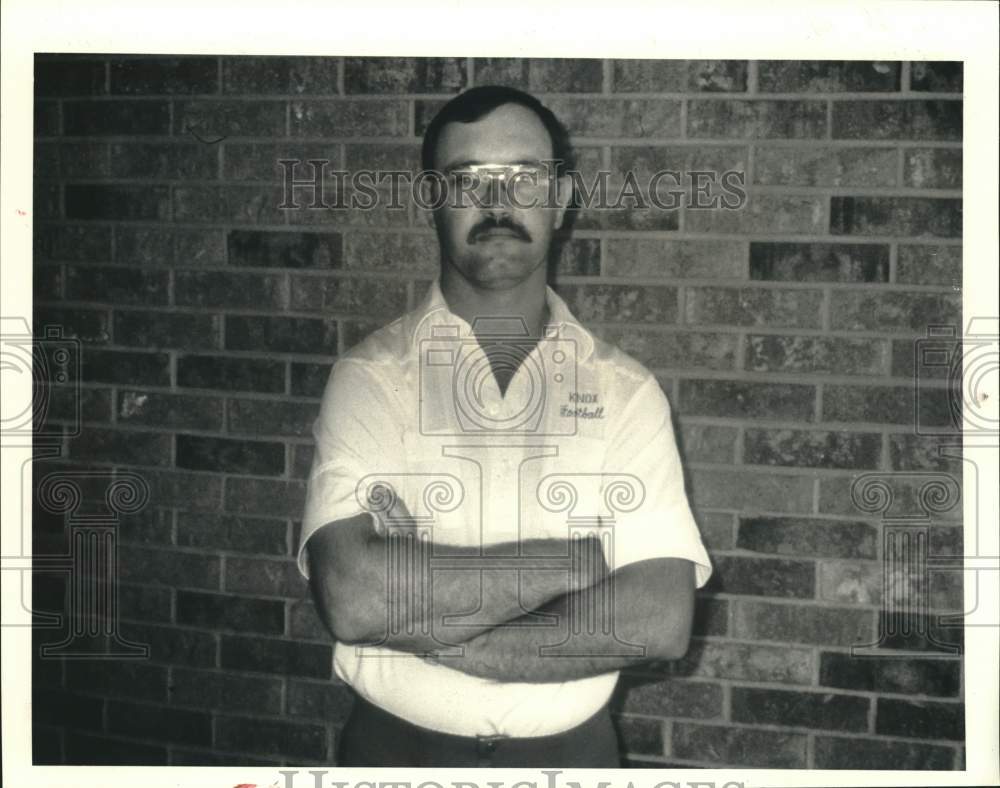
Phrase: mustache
x=498 y=223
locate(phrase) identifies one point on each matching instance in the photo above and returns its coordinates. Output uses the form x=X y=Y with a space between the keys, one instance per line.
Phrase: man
x=496 y=520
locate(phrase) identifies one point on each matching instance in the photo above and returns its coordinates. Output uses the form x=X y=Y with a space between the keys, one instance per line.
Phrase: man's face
x=496 y=245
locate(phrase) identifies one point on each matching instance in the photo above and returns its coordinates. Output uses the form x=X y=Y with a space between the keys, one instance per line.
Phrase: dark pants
x=373 y=737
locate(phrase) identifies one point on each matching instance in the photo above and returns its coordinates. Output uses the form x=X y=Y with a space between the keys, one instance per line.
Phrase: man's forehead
x=510 y=133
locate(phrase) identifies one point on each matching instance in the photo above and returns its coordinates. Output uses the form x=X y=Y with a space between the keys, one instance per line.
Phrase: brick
x=47 y=281
x=161 y=75
x=669 y=698
x=72 y=243
x=929 y=265
x=200 y=247
x=304 y=622
x=802 y=537
x=716 y=529
x=819 y=166
x=302 y=460
x=279 y=75
x=942 y=76
x=236 y=204
x=753 y=491
x=658 y=349
x=225 y=289
x=932 y=168
x=836 y=497
x=642 y=258
x=144 y=245
x=621 y=303
x=184 y=757
x=711 y=616
x=756 y=119
x=404 y=75
x=743 y=747
x=265 y=576
x=82 y=160
x=199 y=491
x=46 y=201
x=746 y=662
x=855 y=583
x=296 y=741
x=169 y=567
x=738 y=399
x=897 y=120
x=162 y=160
x=679 y=76
x=271 y=417
x=231 y=374
x=819 y=262
x=916 y=632
x=128 y=368
x=144 y=603
x=219 y=691
x=707 y=443
x=369 y=298
x=46 y=746
x=85 y=750
x=87 y=325
x=285 y=249
x=827 y=76
x=383 y=156
x=627 y=213
x=812 y=449
x=885 y=405
x=638 y=735
x=354 y=331
x=762 y=213
x=684 y=160
x=822 y=710
x=309 y=380
x=647 y=118
x=327 y=702
x=161 y=330
x=222 y=611
x=925 y=453
x=397 y=252
x=424 y=111
x=280 y=334
x=893 y=311
x=72 y=404
x=870 y=753
x=548 y=75
x=231 y=533
x=764 y=576
x=942 y=677
x=230 y=456
x=117 y=285
x=175 y=646
x=926 y=359
x=804 y=624
x=128 y=203
x=69 y=77
x=575 y=257
x=125 y=448
x=124 y=118
x=45 y=118
x=59 y=707
x=920 y=719
x=350 y=118
x=208 y=120
x=160 y=723
x=283 y=657
x=262 y=162
x=752 y=306
x=151 y=526
x=810 y=354
x=177 y=411
x=910 y=216
x=265 y=497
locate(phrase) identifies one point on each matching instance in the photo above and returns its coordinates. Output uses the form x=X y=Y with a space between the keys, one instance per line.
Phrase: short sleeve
x=643 y=447
x=354 y=437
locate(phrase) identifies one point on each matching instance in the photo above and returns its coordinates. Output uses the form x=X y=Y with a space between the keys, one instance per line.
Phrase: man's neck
x=525 y=301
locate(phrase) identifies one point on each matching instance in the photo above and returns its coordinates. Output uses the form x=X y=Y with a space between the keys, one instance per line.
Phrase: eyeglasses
x=485 y=185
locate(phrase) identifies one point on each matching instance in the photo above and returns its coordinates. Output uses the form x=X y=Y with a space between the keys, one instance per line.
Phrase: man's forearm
x=419 y=602
x=635 y=616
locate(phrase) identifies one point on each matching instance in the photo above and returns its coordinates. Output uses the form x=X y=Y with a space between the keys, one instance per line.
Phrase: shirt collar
x=433 y=311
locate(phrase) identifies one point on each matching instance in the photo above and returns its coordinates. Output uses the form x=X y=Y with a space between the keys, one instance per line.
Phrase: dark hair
x=475 y=103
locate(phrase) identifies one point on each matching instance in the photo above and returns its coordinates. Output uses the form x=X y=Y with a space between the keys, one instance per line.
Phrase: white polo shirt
x=583 y=432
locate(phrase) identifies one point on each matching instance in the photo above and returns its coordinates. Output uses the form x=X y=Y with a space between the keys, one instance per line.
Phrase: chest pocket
x=567 y=494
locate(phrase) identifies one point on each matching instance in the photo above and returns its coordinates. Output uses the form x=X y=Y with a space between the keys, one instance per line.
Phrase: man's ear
x=563 y=194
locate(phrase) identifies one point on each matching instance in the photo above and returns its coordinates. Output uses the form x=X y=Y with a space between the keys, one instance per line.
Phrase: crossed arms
x=520 y=612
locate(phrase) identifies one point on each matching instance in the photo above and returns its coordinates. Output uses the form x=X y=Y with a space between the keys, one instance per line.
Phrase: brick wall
x=783 y=334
